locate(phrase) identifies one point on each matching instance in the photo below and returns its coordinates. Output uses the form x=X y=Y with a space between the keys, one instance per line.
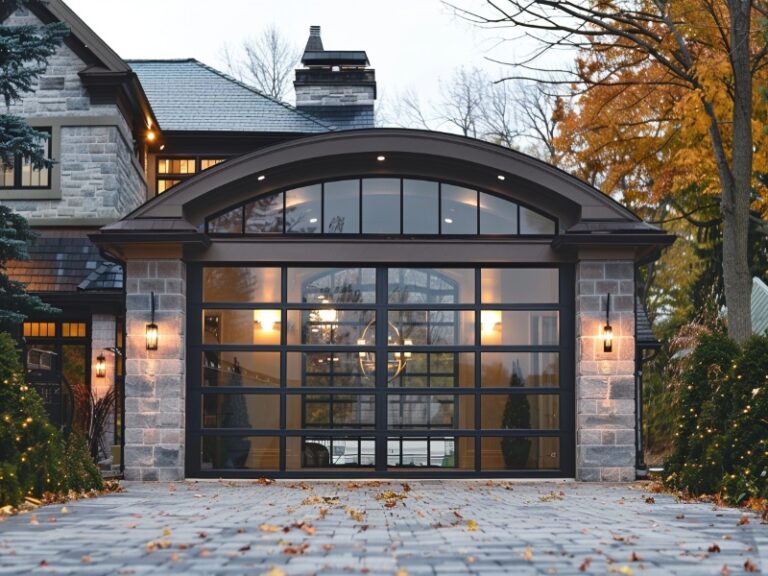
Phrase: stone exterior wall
x=605 y=382
x=335 y=95
x=99 y=176
x=155 y=380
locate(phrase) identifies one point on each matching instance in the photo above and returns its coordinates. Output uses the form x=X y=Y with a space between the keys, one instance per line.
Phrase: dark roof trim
x=335 y=58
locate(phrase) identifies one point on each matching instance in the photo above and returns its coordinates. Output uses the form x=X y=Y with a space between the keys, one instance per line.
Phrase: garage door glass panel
x=241 y=369
x=334 y=411
x=322 y=452
x=519 y=453
x=431 y=286
x=520 y=369
x=240 y=453
x=331 y=369
x=331 y=285
x=329 y=326
x=434 y=327
x=450 y=453
x=253 y=327
x=520 y=411
x=521 y=286
x=519 y=328
x=432 y=370
x=258 y=411
x=431 y=411
x=235 y=284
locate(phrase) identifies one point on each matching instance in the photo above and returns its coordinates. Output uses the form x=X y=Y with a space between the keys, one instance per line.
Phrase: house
x=289 y=291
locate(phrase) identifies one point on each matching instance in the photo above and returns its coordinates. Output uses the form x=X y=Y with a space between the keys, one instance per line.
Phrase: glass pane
x=233 y=284
x=206 y=163
x=420 y=207
x=240 y=452
x=497 y=215
x=520 y=285
x=164 y=184
x=332 y=285
x=513 y=369
x=516 y=453
x=176 y=166
x=434 y=327
x=332 y=411
x=432 y=370
x=259 y=327
x=534 y=223
x=343 y=369
x=246 y=369
x=342 y=207
x=260 y=411
x=458 y=210
x=228 y=223
x=322 y=452
x=519 y=328
x=265 y=215
x=520 y=411
x=331 y=326
x=303 y=210
x=417 y=411
x=431 y=286
x=451 y=452
x=381 y=206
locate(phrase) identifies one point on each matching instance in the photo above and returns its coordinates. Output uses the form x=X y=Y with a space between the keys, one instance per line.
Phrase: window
x=383 y=206
x=172 y=171
x=21 y=174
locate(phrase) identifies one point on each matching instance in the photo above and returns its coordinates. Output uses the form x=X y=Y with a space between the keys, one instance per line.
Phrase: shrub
x=721 y=446
x=34 y=457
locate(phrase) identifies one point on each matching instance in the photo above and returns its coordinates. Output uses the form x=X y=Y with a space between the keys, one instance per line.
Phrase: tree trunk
x=737 y=191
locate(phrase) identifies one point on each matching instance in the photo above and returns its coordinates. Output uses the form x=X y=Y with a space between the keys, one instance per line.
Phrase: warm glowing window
x=73 y=329
x=206 y=163
x=172 y=171
x=39 y=329
x=176 y=166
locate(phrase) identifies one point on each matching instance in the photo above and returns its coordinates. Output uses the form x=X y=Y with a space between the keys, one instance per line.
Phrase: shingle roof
x=188 y=96
x=759 y=306
x=344 y=117
x=66 y=265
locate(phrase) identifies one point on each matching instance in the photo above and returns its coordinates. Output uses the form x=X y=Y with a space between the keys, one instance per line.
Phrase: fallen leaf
x=725 y=571
x=584 y=566
x=244 y=548
x=166 y=532
x=401 y=572
x=175 y=557
x=528 y=554
x=472 y=525
x=269 y=528
x=274 y=571
x=64 y=510
x=43 y=563
x=202 y=535
x=205 y=553
x=86 y=559
x=634 y=557
x=650 y=500
x=328 y=547
x=295 y=550
x=264 y=481
x=356 y=515
x=713 y=549
x=33 y=520
x=552 y=496
x=743 y=520
x=750 y=567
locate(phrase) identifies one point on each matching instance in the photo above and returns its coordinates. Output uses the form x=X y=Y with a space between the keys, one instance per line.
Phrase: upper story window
x=375 y=206
x=171 y=171
x=21 y=174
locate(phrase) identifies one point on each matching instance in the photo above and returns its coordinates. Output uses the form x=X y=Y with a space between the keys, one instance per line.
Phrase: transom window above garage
x=390 y=206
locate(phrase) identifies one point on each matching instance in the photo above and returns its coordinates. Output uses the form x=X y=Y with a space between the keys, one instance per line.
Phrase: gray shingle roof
x=65 y=264
x=188 y=96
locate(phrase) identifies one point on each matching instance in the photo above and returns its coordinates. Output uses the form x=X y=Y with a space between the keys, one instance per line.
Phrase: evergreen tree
x=24 y=51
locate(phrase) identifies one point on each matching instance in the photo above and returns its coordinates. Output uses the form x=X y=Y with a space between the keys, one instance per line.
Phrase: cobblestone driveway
x=437 y=527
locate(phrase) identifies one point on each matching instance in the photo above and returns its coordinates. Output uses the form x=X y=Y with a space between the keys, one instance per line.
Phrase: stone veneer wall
x=334 y=95
x=605 y=382
x=155 y=380
x=100 y=177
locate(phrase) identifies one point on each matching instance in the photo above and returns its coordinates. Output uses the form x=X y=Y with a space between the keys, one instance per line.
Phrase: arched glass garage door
x=374 y=371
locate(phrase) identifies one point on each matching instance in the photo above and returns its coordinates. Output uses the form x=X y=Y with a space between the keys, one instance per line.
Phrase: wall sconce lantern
x=152 y=327
x=101 y=366
x=607 y=330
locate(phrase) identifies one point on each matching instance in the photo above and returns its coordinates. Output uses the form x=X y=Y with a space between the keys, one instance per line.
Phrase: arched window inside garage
x=382 y=206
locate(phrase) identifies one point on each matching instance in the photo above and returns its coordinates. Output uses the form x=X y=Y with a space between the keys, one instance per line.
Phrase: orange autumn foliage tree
x=674 y=82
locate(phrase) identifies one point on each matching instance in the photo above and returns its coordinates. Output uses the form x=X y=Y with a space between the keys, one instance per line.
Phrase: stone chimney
x=335 y=86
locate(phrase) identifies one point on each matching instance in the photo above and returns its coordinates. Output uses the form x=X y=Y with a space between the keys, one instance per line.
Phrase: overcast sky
x=410 y=43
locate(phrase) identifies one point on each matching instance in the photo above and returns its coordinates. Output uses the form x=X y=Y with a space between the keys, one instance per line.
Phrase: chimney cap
x=314 y=42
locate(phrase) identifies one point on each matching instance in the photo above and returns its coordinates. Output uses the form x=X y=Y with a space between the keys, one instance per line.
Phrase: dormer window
x=172 y=171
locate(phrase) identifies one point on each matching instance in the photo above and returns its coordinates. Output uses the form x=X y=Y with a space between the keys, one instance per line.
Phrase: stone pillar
x=155 y=380
x=103 y=328
x=605 y=384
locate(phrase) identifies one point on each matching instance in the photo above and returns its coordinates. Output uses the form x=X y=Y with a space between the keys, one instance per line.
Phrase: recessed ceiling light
x=261 y=177
x=448 y=220
x=312 y=220
x=501 y=177
x=381 y=157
